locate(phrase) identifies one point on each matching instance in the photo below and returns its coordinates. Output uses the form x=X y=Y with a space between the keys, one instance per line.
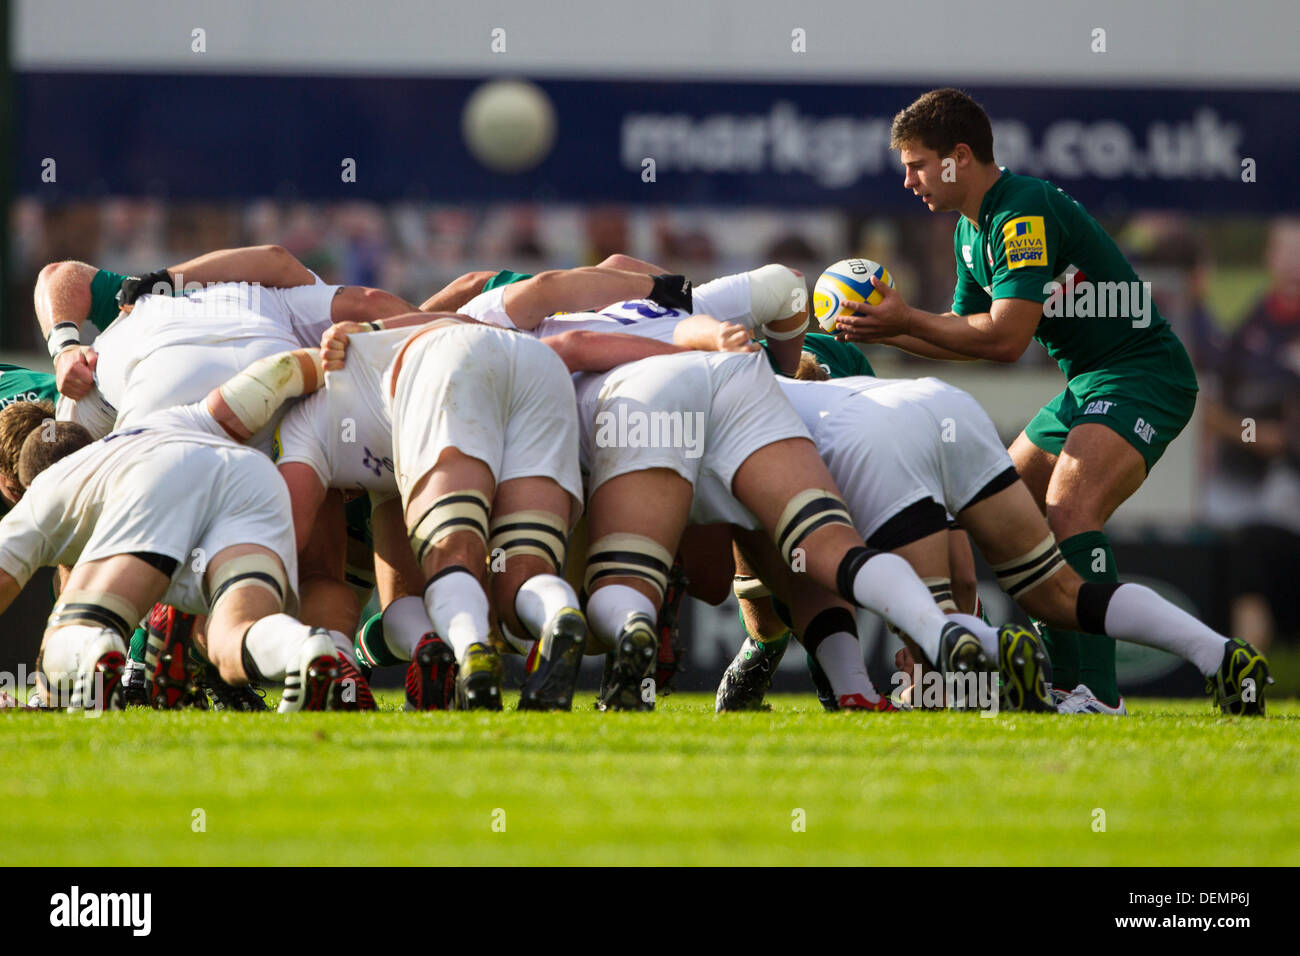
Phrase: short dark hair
x=17 y=421
x=45 y=445
x=941 y=119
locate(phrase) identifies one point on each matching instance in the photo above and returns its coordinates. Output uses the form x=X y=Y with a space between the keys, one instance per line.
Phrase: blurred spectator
x=1252 y=405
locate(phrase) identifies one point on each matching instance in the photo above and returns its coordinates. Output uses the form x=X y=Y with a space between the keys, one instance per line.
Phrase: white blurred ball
x=509 y=125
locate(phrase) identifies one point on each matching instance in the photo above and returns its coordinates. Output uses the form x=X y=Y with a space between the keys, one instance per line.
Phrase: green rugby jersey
x=103 y=297
x=1029 y=232
x=840 y=359
x=505 y=277
x=19 y=384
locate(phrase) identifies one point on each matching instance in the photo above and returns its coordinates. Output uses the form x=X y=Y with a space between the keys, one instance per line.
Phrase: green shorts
x=1141 y=408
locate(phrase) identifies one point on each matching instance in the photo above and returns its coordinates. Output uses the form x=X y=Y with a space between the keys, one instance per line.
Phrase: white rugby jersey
x=632 y=317
x=343 y=432
x=56 y=516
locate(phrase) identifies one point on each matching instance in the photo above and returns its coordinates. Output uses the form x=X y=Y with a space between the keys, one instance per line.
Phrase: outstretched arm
x=9 y=590
x=456 y=292
x=707 y=334
x=1000 y=335
x=585 y=351
x=272 y=266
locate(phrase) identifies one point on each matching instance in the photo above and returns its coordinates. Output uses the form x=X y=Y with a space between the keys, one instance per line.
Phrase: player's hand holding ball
x=855 y=300
x=870 y=323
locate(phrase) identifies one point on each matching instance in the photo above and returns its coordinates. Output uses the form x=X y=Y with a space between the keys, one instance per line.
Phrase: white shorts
x=501 y=397
x=191 y=501
x=489 y=307
x=892 y=446
x=700 y=414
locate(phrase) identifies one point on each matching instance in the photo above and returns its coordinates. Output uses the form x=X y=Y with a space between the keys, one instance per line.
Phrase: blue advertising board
x=210 y=136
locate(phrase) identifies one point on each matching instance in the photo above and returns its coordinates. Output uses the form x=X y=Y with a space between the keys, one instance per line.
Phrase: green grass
x=1178 y=784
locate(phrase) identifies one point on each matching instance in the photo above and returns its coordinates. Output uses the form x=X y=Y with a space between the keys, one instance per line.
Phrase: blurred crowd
x=1231 y=289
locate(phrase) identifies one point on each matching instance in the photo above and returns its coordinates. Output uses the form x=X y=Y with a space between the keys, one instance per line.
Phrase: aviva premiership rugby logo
x=1025 y=242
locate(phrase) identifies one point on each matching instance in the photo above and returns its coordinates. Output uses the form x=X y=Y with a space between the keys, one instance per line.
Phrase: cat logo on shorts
x=1025 y=242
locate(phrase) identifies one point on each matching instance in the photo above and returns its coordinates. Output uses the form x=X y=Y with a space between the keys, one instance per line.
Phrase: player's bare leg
x=83 y=652
x=1016 y=541
x=249 y=638
x=788 y=488
x=1095 y=472
x=531 y=518
x=447 y=521
x=961 y=565
x=629 y=556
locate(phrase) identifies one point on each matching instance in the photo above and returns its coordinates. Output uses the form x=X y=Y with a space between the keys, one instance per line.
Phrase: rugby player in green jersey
x=1130 y=386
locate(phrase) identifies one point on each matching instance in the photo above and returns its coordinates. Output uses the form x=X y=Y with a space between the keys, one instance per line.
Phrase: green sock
x=138 y=641
x=1090 y=555
x=370 y=648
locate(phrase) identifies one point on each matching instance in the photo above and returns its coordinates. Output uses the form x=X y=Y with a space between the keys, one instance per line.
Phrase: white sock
x=522 y=645
x=608 y=608
x=406 y=622
x=1139 y=615
x=540 y=598
x=273 y=644
x=342 y=644
x=840 y=656
x=988 y=635
x=887 y=585
x=61 y=658
x=458 y=609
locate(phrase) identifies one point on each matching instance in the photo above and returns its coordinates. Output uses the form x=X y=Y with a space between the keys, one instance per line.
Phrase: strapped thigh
x=629 y=556
x=450 y=513
x=1030 y=569
x=539 y=533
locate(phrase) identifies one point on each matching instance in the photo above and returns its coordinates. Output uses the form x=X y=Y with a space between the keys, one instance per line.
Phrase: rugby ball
x=509 y=125
x=848 y=281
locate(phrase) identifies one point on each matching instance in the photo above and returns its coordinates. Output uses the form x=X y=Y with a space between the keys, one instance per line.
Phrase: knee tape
x=94 y=609
x=750 y=588
x=629 y=556
x=941 y=590
x=249 y=571
x=806 y=512
x=539 y=533
x=1030 y=569
x=458 y=511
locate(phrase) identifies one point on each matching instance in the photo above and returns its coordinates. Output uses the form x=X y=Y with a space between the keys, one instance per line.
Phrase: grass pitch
x=1177 y=783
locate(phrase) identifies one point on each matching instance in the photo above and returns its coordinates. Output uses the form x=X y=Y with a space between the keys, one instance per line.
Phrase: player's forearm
x=272 y=266
x=585 y=351
x=9 y=590
x=699 y=332
x=962 y=336
x=786 y=353
x=915 y=346
x=457 y=292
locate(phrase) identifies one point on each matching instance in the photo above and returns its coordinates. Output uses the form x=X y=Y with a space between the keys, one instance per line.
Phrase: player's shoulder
x=1021 y=196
